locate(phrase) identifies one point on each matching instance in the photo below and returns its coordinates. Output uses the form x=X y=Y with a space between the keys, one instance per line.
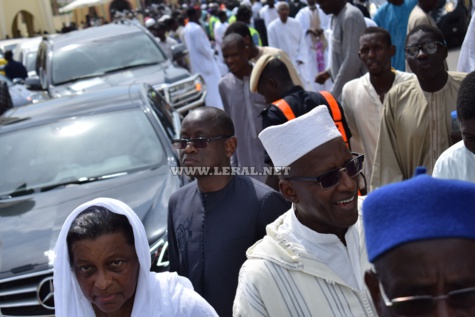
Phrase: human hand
x=322 y=77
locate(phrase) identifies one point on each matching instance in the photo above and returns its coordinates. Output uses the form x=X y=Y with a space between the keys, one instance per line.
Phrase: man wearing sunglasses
x=214 y=219
x=416 y=122
x=421 y=239
x=313 y=258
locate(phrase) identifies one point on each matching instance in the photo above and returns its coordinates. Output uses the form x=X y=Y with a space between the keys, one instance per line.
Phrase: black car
x=452 y=18
x=58 y=154
x=111 y=55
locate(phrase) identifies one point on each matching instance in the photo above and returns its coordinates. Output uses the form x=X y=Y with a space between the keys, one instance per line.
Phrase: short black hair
x=219 y=120
x=466 y=98
x=234 y=38
x=8 y=55
x=377 y=30
x=277 y=70
x=96 y=221
x=429 y=29
x=191 y=13
x=244 y=13
x=240 y=28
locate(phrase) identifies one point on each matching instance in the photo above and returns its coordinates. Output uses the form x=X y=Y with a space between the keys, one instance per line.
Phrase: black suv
x=112 y=55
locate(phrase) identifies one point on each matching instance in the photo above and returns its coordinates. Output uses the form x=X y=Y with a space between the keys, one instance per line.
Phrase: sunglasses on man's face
x=428 y=48
x=331 y=178
x=197 y=143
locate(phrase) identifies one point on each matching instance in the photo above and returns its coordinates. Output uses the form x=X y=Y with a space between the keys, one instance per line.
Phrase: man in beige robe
x=416 y=121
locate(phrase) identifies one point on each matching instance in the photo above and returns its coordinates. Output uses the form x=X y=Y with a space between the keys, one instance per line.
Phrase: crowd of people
x=359 y=200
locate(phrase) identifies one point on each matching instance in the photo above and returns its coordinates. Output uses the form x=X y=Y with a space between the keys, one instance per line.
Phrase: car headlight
x=159 y=254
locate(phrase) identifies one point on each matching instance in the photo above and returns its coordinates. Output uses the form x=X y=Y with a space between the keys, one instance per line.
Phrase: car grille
x=20 y=296
x=186 y=94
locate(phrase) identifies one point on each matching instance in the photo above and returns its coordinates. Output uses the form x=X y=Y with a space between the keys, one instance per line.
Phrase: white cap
x=285 y=143
x=164 y=18
x=150 y=22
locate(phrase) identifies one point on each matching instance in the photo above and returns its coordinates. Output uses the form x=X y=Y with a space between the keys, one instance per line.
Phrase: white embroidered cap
x=285 y=143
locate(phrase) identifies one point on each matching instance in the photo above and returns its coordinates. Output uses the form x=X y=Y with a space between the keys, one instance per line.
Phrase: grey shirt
x=245 y=109
x=346 y=65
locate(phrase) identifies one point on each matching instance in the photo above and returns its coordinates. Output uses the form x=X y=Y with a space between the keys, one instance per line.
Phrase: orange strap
x=336 y=114
x=285 y=108
x=335 y=111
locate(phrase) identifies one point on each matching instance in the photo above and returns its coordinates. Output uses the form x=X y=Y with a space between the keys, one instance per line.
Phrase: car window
x=99 y=146
x=102 y=56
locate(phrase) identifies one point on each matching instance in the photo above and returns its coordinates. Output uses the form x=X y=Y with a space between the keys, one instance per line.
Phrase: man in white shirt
x=466 y=61
x=286 y=33
x=363 y=98
x=316 y=248
x=314 y=22
x=268 y=13
x=165 y=42
x=458 y=161
x=202 y=60
x=219 y=29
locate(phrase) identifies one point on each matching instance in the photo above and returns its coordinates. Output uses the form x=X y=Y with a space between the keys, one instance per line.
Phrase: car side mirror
x=179 y=51
x=33 y=83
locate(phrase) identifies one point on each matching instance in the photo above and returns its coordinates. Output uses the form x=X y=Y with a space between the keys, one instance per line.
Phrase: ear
x=392 y=50
x=289 y=193
x=247 y=40
x=372 y=283
x=230 y=146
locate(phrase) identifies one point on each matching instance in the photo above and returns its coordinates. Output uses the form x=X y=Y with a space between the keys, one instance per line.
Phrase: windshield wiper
x=21 y=190
x=129 y=67
x=81 y=180
x=79 y=78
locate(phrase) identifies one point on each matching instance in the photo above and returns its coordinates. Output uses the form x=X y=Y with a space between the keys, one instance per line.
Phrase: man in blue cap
x=420 y=237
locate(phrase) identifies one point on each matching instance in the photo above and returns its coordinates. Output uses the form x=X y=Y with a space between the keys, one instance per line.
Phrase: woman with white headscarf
x=102 y=266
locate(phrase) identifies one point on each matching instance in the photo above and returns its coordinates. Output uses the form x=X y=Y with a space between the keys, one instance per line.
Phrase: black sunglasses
x=197 y=143
x=331 y=178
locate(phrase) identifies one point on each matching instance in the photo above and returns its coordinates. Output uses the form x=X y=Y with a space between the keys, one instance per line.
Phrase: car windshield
x=95 y=58
x=77 y=150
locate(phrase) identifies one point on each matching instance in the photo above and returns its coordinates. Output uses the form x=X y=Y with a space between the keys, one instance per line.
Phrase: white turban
x=285 y=143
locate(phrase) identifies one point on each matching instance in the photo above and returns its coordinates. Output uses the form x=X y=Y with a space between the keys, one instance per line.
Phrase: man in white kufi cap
x=313 y=258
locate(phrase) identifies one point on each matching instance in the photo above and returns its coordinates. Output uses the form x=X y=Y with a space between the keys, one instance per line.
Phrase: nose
x=103 y=280
x=189 y=148
x=346 y=182
x=443 y=309
x=420 y=53
x=371 y=53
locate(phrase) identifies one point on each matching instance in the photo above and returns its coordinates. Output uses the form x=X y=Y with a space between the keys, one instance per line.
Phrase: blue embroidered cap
x=420 y=208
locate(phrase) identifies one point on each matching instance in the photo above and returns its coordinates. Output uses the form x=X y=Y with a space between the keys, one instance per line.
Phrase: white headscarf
x=163 y=294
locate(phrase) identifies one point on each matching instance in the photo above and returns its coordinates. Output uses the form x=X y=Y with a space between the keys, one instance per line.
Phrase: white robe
x=219 y=30
x=457 y=162
x=287 y=37
x=203 y=62
x=466 y=62
x=363 y=110
x=156 y=295
x=268 y=14
x=309 y=70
